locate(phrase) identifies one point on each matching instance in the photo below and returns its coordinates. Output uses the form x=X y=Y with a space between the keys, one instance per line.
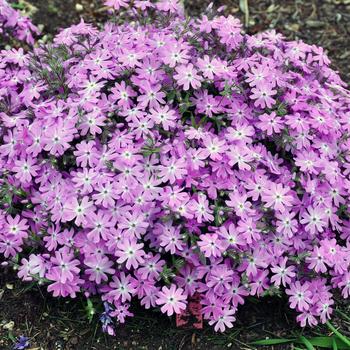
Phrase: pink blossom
x=172 y=299
x=187 y=77
x=130 y=252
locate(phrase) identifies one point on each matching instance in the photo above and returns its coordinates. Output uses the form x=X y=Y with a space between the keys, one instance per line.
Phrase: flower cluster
x=14 y=24
x=161 y=157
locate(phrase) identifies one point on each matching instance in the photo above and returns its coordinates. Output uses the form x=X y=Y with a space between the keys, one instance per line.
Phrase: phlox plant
x=164 y=156
x=14 y=25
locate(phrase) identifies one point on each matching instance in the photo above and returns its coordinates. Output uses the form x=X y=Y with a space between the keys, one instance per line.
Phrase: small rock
x=314 y=24
x=9 y=326
x=9 y=286
x=294 y=27
x=74 y=340
x=41 y=27
x=79 y=7
x=272 y=8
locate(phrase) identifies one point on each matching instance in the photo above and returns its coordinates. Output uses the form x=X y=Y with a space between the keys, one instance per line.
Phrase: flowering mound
x=163 y=156
x=13 y=24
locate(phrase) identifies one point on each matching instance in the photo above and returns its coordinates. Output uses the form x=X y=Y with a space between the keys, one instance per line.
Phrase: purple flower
x=22 y=343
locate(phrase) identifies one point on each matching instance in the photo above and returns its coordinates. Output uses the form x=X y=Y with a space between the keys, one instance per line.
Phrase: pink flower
x=25 y=169
x=58 y=137
x=164 y=116
x=241 y=156
x=211 y=245
x=316 y=260
x=105 y=194
x=307 y=317
x=230 y=236
x=260 y=283
x=220 y=279
x=174 y=54
x=170 y=238
x=277 y=197
x=152 y=95
x=249 y=231
x=123 y=94
x=85 y=180
x=308 y=162
x=258 y=75
x=270 y=123
x=130 y=252
x=262 y=94
x=187 y=77
x=300 y=296
x=208 y=67
x=133 y=224
x=16 y=57
x=240 y=133
x=79 y=211
x=282 y=274
x=52 y=238
x=224 y=319
x=116 y=4
x=86 y=154
x=99 y=267
x=122 y=288
x=286 y=223
x=152 y=267
x=172 y=169
x=214 y=148
x=65 y=265
x=16 y=227
x=314 y=220
x=241 y=204
x=200 y=208
x=101 y=224
x=172 y=300
x=34 y=266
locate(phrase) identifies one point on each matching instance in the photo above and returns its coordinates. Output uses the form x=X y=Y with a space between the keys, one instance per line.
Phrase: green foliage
x=90 y=310
x=50 y=68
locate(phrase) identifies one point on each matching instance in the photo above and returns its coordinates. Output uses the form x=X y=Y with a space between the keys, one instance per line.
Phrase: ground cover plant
x=14 y=25
x=163 y=157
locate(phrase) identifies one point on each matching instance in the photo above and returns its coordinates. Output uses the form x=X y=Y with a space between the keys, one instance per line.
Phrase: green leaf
x=274 y=341
x=178 y=264
x=334 y=344
x=171 y=95
x=18 y=6
x=12 y=337
x=90 y=310
x=307 y=343
x=327 y=342
x=341 y=337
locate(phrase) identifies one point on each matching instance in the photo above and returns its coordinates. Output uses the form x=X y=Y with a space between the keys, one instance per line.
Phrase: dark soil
x=59 y=324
